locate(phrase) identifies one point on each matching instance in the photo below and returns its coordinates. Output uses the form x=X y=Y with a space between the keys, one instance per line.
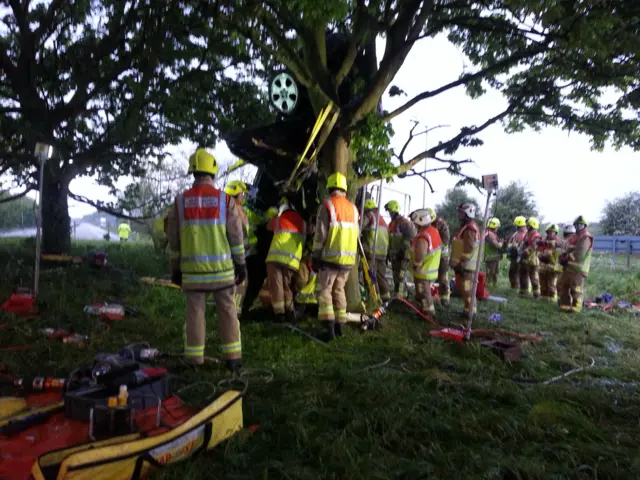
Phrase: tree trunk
x=56 y=224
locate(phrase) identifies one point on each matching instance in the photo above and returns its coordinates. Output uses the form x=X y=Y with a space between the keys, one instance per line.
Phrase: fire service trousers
x=241 y=290
x=514 y=274
x=424 y=298
x=529 y=274
x=399 y=268
x=548 y=285
x=228 y=325
x=464 y=286
x=279 y=278
x=332 y=300
x=444 y=290
x=570 y=290
x=493 y=266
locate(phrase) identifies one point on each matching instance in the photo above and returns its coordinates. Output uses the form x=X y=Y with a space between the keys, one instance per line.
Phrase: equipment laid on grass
x=160 y=282
x=117 y=418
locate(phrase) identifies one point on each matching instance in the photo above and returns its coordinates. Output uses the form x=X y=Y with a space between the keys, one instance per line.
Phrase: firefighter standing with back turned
x=283 y=260
x=464 y=253
x=493 y=251
x=381 y=245
x=207 y=255
x=550 y=250
x=425 y=259
x=444 y=290
x=515 y=242
x=529 y=262
x=401 y=233
x=335 y=248
x=237 y=190
x=576 y=262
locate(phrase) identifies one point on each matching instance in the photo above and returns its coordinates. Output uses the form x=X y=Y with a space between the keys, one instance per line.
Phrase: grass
x=455 y=412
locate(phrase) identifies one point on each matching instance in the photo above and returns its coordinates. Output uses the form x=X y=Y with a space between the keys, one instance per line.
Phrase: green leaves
x=370 y=145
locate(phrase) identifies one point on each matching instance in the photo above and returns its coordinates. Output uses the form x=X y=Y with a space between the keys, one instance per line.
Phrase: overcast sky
x=567 y=178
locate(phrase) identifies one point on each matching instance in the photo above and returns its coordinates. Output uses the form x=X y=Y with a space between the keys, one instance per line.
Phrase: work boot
x=337 y=329
x=330 y=333
x=290 y=316
x=234 y=364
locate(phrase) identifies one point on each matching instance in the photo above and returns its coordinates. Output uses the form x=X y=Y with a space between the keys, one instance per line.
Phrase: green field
x=434 y=410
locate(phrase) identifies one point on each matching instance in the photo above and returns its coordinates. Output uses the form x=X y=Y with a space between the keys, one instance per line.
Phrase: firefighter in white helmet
x=576 y=262
x=426 y=250
x=464 y=253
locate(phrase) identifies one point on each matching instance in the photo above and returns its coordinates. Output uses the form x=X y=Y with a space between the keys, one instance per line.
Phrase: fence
x=618 y=246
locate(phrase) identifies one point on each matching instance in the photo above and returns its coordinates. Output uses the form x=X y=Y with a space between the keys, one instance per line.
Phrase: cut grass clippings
x=434 y=410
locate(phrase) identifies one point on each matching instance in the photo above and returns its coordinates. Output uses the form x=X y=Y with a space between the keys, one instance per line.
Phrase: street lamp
x=43 y=152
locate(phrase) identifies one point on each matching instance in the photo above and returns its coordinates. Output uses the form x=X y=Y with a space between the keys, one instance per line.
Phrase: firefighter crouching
x=529 y=262
x=425 y=259
x=207 y=255
x=381 y=243
x=401 y=233
x=237 y=190
x=283 y=260
x=493 y=251
x=513 y=251
x=444 y=291
x=335 y=248
x=464 y=253
x=576 y=262
x=550 y=250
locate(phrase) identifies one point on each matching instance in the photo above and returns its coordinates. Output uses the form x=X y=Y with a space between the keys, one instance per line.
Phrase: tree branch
x=16 y=196
x=103 y=208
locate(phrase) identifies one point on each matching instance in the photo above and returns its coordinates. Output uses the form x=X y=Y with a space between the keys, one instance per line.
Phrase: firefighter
x=124 y=230
x=158 y=232
x=444 y=291
x=514 y=246
x=283 y=260
x=401 y=233
x=568 y=231
x=425 y=259
x=237 y=190
x=493 y=251
x=305 y=283
x=575 y=262
x=335 y=248
x=549 y=254
x=464 y=253
x=381 y=243
x=529 y=262
x=207 y=255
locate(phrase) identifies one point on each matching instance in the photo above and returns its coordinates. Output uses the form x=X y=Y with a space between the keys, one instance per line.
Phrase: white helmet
x=568 y=228
x=468 y=209
x=421 y=217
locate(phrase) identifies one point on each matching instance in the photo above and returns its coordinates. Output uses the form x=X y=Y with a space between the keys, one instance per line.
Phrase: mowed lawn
x=393 y=403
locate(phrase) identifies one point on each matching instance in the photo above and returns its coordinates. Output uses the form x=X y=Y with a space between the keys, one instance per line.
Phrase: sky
x=565 y=176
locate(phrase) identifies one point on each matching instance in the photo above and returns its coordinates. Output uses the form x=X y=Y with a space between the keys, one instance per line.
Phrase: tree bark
x=56 y=224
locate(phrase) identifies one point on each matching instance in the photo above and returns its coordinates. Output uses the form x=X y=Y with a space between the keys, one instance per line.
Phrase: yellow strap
x=367 y=278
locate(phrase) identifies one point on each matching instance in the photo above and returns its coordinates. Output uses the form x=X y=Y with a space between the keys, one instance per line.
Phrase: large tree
x=110 y=84
x=622 y=216
x=511 y=201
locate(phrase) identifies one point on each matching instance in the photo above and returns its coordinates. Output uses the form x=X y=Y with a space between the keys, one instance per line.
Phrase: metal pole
x=424 y=182
x=375 y=235
x=36 y=274
x=478 y=262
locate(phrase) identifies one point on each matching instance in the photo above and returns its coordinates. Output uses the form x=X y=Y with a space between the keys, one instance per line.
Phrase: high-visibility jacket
x=341 y=245
x=552 y=248
x=369 y=237
x=491 y=253
x=396 y=237
x=205 y=253
x=255 y=219
x=458 y=255
x=530 y=250
x=288 y=239
x=124 y=230
x=428 y=270
x=580 y=265
x=308 y=295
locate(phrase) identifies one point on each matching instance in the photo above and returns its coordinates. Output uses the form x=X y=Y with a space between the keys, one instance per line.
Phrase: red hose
x=478 y=333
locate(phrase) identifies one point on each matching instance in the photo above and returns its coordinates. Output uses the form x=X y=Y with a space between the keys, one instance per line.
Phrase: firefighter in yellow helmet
x=464 y=253
x=549 y=252
x=401 y=233
x=283 y=260
x=380 y=242
x=425 y=259
x=444 y=290
x=529 y=262
x=335 y=247
x=237 y=190
x=513 y=251
x=207 y=255
x=493 y=251
x=576 y=262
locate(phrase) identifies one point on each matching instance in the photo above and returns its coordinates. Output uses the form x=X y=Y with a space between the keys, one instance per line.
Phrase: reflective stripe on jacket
x=369 y=235
x=466 y=253
x=428 y=269
x=341 y=245
x=288 y=240
x=580 y=261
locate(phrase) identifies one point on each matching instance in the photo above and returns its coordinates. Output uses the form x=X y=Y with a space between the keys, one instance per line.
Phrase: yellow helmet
x=337 y=180
x=520 y=221
x=533 y=223
x=493 y=223
x=552 y=227
x=370 y=205
x=392 y=207
x=203 y=162
x=272 y=212
x=582 y=220
x=432 y=213
x=235 y=188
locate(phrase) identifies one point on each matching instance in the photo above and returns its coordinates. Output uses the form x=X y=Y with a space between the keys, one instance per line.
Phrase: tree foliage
x=511 y=201
x=448 y=209
x=622 y=216
x=17 y=213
